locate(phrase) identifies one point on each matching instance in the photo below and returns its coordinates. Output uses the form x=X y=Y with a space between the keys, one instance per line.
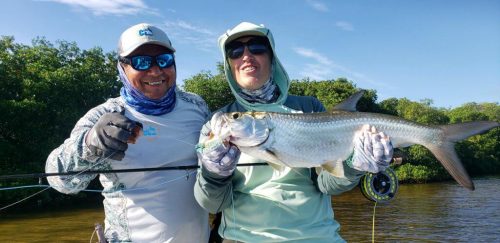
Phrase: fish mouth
x=246 y=130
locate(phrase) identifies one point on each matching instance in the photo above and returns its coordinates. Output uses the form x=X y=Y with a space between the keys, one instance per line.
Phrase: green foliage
x=475 y=112
x=332 y=92
x=389 y=106
x=409 y=173
x=212 y=88
x=44 y=90
x=480 y=154
x=329 y=92
x=420 y=112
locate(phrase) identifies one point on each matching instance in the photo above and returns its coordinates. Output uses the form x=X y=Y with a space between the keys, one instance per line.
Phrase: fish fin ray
x=349 y=104
x=448 y=158
x=460 y=131
x=273 y=160
x=275 y=166
x=446 y=154
x=336 y=168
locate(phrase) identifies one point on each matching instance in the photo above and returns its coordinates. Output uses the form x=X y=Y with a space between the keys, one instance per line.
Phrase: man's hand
x=109 y=136
x=372 y=150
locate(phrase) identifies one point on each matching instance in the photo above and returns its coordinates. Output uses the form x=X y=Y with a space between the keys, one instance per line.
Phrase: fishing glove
x=215 y=152
x=372 y=150
x=109 y=136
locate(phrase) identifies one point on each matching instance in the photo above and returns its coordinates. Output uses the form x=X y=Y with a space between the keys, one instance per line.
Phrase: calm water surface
x=438 y=212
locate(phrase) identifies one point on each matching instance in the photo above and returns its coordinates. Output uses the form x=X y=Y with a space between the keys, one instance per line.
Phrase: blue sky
x=444 y=50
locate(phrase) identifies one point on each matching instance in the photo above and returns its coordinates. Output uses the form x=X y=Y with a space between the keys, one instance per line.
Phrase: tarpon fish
x=326 y=139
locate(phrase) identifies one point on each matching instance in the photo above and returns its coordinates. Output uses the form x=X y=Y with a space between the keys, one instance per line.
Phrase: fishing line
x=157 y=185
x=186 y=142
x=21 y=187
x=36 y=193
x=43 y=185
x=85 y=190
x=26 y=198
x=232 y=203
x=92 y=237
x=373 y=222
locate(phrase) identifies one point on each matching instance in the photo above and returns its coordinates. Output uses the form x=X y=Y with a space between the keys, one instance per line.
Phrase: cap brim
x=154 y=42
x=237 y=35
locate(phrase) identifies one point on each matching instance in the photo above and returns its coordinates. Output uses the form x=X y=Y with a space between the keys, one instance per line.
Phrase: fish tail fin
x=448 y=157
x=446 y=153
x=461 y=131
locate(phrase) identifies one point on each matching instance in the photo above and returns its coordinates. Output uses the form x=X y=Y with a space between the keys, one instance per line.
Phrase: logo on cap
x=146 y=31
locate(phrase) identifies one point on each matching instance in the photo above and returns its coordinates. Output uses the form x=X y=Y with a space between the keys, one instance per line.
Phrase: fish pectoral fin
x=273 y=160
x=277 y=167
x=336 y=168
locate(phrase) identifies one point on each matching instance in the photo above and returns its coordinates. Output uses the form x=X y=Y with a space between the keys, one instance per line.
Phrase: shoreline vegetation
x=45 y=88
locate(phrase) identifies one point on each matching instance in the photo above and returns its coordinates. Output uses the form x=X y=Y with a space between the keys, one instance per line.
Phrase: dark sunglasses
x=256 y=46
x=143 y=63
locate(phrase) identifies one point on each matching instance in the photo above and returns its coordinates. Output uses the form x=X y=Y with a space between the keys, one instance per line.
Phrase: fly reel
x=380 y=187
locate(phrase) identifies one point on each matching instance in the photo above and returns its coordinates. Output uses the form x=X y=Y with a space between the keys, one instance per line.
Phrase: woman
x=259 y=204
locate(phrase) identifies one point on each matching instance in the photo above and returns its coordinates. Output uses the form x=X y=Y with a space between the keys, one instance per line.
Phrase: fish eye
x=235 y=115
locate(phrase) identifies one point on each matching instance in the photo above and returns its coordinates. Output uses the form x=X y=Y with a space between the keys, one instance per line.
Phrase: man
x=155 y=206
x=260 y=204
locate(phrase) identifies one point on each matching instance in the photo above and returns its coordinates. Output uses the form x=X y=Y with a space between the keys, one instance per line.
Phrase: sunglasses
x=143 y=63
x=256 y=46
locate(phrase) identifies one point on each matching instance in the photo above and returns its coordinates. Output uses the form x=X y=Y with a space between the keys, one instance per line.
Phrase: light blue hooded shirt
x=260 y=204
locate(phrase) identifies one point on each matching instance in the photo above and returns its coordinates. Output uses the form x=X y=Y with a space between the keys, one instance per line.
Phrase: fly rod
x=43 y=175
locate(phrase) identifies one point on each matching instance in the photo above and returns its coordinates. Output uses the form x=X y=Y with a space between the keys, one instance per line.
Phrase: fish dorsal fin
x=349 y=104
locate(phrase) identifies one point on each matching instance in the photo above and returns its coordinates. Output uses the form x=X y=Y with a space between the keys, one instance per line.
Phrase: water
x=69 y=225
x=437 y=212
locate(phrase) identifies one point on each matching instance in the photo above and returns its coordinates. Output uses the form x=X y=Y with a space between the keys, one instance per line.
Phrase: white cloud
x=316 y=71
x=187 y=26
x=344 y=25
x=188 y=33
x=110 y=7
x=322 y=68
x=314 y=55
x=317 y=5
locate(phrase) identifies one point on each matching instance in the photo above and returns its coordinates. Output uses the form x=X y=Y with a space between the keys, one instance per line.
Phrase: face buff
x=268 y=93
x=143 y=104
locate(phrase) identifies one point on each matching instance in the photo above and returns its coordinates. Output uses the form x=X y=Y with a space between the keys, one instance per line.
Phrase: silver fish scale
x=319 y=138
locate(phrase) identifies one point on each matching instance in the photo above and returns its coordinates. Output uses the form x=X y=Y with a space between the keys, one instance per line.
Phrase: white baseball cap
x=141 y=34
